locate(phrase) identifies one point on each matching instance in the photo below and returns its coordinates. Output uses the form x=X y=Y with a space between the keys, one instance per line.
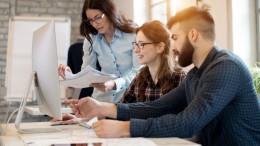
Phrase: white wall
x=244 y=30
x=136 y=10
x=218 y=9
x=220 y=15
x=141 y=11
x=177 y=5
x=126 y=7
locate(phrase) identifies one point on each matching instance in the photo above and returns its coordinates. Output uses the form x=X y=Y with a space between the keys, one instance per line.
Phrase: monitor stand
x=18 y=120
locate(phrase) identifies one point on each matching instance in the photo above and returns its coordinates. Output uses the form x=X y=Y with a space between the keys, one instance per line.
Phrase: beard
x=185 y=57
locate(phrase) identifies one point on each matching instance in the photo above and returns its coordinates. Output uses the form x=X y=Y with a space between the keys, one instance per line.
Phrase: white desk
x=13 y=138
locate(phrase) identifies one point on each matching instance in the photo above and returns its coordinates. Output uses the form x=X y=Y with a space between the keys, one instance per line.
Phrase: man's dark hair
x=195 y=17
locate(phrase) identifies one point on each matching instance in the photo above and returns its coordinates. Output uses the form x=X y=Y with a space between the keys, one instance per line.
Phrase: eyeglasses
x=97 y=19
x=140 y=45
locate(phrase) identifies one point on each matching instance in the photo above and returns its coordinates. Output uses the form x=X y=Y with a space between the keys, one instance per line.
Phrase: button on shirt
x=117 y=58
x=217 y=102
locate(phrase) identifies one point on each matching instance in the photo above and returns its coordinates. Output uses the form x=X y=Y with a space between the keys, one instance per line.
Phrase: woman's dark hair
x=111 y=11
x=81 y=29
x=157 y=32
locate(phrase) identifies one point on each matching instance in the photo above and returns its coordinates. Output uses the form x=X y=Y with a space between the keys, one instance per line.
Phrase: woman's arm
x=124 y=82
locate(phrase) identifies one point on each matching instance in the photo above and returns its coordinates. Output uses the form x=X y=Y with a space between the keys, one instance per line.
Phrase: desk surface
x=72 y=132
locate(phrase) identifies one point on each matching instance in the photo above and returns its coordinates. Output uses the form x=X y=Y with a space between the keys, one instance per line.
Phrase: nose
x=94 y=24
x=136 y=49
x=173 y=48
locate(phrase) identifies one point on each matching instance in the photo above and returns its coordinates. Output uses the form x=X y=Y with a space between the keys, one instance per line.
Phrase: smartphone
x=78 y=144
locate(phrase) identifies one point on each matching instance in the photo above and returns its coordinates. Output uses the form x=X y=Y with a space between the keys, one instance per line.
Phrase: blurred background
x=237 y=24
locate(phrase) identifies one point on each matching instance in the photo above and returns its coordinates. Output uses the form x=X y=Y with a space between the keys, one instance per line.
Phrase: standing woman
x=160 y=74
x=108 y=40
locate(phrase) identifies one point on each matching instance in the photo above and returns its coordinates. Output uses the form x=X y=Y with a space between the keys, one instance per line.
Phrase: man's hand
x=71 y=103
x=86 y=108
x=111 y=128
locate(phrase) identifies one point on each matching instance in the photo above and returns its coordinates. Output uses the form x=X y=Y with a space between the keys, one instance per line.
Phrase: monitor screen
x=45 y=66
x=44 y=77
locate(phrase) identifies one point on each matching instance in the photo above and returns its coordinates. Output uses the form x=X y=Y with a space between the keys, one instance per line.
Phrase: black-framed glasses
x=98 y=19
x=140 y=45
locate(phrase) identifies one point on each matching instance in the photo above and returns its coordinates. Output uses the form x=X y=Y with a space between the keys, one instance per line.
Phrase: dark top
x=217 y=101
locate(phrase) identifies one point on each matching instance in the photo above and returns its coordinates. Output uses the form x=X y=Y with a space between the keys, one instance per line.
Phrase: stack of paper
x=85 y=77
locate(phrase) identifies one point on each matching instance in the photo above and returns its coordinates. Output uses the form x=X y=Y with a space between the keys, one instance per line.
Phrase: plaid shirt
x=217 y=101
x=152 y=91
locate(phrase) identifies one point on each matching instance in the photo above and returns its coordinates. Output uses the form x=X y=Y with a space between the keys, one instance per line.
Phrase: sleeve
x=124 y=82
x=129 y=95
x=88 y=58
x=220 y=85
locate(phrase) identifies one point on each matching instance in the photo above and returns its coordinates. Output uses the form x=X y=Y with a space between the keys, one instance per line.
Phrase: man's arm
x=109 y=110
x=172 y=102
x=216 y=91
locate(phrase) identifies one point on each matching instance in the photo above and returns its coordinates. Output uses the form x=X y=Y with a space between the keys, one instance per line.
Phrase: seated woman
x=160 y=73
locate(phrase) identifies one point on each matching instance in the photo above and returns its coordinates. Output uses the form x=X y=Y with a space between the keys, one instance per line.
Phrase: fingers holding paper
x=100 y=86
x=104 y=87
x=62 y=69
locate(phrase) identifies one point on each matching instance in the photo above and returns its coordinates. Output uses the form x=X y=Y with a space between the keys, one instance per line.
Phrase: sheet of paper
x=130 y=142
x=83 y=136
x=85 y=77
x=88 y=124
x=104 y=142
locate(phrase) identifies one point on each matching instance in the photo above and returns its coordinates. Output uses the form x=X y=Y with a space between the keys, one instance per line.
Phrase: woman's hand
x=61 y=70
x=100 y=86
x=104 y=87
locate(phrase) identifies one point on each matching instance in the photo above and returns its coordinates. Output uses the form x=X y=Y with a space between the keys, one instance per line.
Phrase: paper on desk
x=81 y=136
x=85 y=77
x=90 y=141
x=129 y=142
x=90 y=136
x=88 y=124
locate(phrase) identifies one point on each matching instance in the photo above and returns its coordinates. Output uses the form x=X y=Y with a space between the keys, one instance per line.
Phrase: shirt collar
x=117 y=34
x=208 y=60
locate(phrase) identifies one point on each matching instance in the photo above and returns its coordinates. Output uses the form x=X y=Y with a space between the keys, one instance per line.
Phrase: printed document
x=85 y=77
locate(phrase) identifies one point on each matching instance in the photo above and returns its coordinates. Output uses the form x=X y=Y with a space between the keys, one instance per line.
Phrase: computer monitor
x=45 y=77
